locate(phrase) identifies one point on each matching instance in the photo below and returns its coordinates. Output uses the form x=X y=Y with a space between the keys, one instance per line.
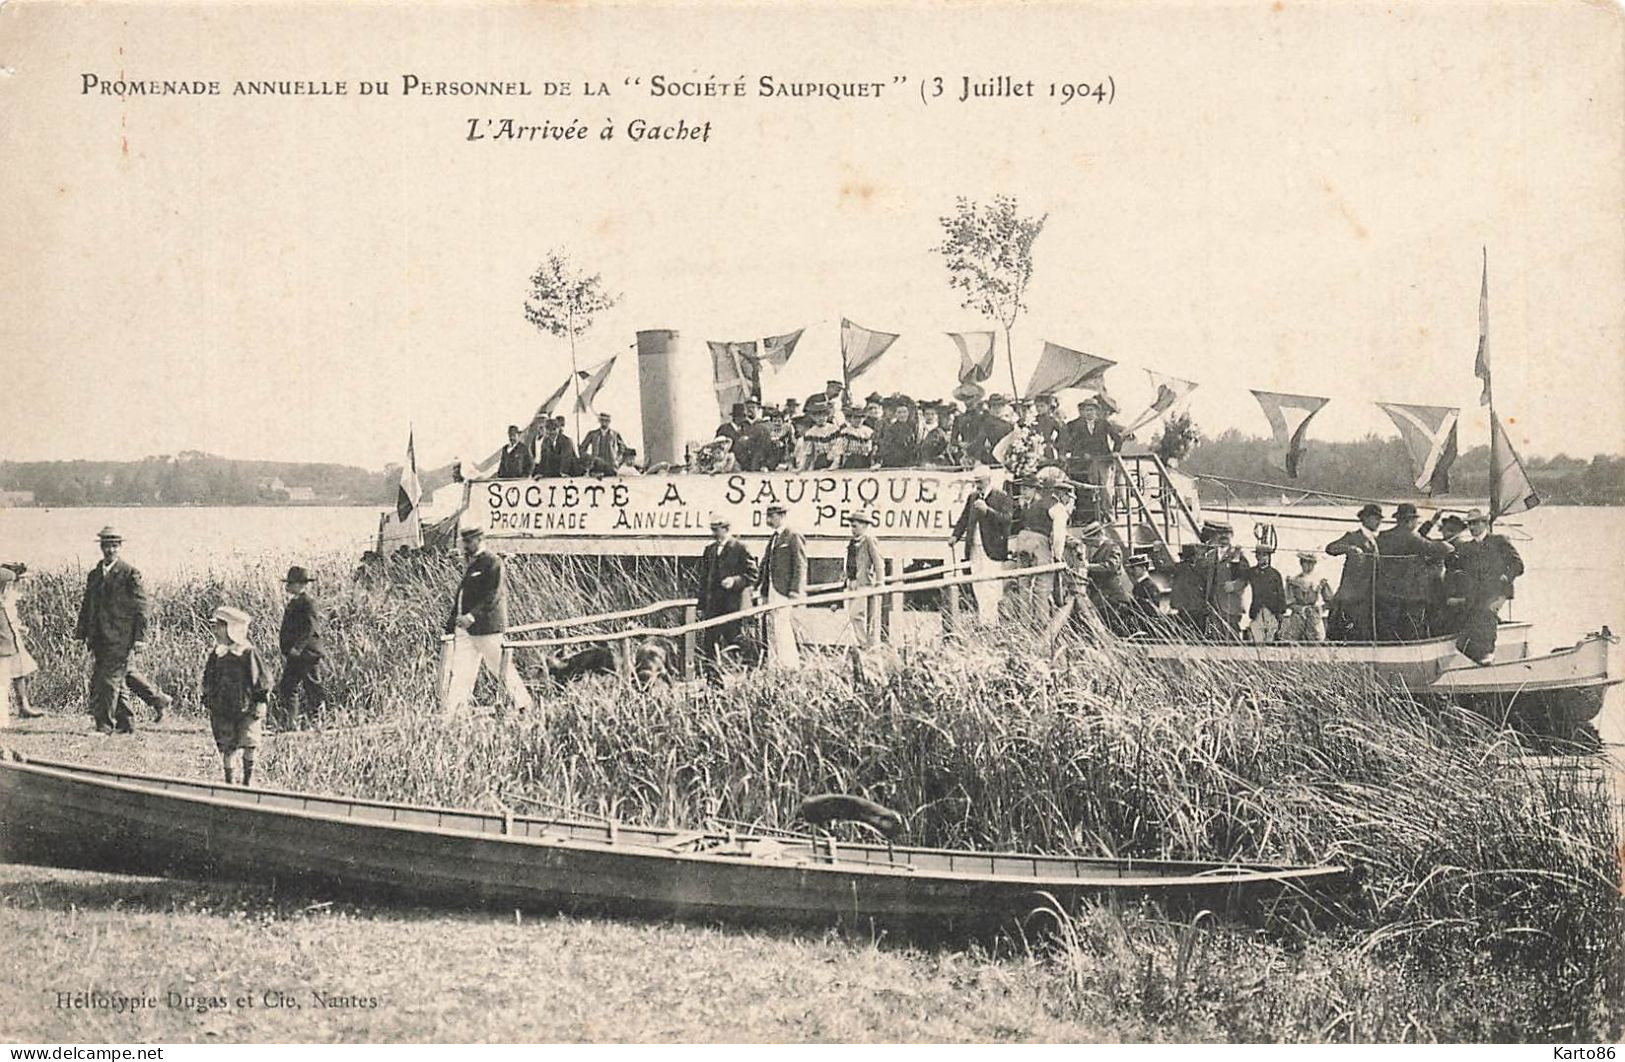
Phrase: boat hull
x=64 y=816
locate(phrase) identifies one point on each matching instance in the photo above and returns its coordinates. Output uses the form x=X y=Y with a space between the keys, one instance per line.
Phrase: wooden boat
x=1562 y=688
x=66 y=815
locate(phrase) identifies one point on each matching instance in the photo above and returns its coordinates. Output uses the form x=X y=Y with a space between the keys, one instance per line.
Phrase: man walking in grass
x=301 y=643
x=113 y=626
x=476 y=625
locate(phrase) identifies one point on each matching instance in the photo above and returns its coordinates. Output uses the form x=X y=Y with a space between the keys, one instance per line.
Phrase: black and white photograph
x=813 y=522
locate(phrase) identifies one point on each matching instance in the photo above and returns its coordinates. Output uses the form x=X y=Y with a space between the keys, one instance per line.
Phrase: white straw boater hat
x=236 y=621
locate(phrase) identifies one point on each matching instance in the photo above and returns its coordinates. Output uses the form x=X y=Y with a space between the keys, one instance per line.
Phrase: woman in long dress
x=1305 y=593
x=16 y=663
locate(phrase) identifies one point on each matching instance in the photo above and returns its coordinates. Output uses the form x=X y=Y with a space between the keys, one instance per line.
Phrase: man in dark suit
x=602 y=449
x=300 y=640
x=1088 y=444
x=1353 y=604
x=1491 y=563
x=727 y=574
x=477 y=622
x=555 y=453
x=984 y=527
x=732 y=428
x=783 y=578
x=1404 y=584
x=113 y=626
x=516 y=462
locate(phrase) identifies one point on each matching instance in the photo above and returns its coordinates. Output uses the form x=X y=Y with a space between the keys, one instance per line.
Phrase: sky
x=1280 y=196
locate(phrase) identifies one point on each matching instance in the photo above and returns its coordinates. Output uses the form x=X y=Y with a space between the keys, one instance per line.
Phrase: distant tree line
x=194 y=478
x=1377 y=467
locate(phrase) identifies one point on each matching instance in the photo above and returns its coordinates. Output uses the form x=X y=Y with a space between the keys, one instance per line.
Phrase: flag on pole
x=776 y=350
x=975 y=355
x=1429 y=433
x=404 y=526
x=1481 y=364
x=551 y=402
x=592 y=382
x=1510 y=489
x=736 y=372
x=1061 y=367
x=1170 y=392
x=861 y=347
x=1289 y=417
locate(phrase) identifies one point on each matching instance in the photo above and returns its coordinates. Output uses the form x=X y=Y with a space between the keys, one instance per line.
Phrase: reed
x=1479 y=870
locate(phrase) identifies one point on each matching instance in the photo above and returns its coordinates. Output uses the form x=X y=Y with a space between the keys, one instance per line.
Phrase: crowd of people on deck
x=828 y=431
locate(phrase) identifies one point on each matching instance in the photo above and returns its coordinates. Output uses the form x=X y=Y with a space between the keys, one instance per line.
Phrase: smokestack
x=658 y=394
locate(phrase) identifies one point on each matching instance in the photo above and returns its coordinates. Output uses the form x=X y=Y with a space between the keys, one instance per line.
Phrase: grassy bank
x=1492 y=900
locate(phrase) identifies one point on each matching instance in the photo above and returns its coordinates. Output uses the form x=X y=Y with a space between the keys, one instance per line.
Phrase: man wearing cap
x=1447 y=608
x=602 y=449
x=516 y=462
x=1305 y=592
x=1268 y=606
x=1224 y=570
x=865 y=567
x=113 y=626
x=1405 y=586
x=783 y=578
x=301 y=643
x=1353 y=607
x=476 y=624
x=1146 y=593
x=984 y=527
x=1491 y=563
x=727 y=574
x=555 y=452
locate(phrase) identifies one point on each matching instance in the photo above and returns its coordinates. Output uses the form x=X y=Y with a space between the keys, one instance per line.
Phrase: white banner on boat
x=672 y=514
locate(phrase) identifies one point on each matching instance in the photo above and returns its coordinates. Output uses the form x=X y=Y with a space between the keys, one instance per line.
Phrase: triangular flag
x=1170 y=392
x=975 y=355
x=1061 y=367
x=551 y=402
x=408 y=492
x=1430 y=439
x=735 y=370
x=1510 y=489
x=1481 y=364
x=861 y=347
x=776 y=350
x=1289 y=417
x=592 y=382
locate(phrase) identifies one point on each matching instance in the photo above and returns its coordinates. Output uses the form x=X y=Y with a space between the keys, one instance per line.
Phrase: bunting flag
x=1481 y=364
x=1170 y=392
x=404 y=526
x=736 y=370
x=592 y=382
x=1430 y=439
x=1510 y=489
x=1289 y=417
x=975 y=355
x=861 y=348
x=551 y=402
x=776 y=350
x=1061 y=367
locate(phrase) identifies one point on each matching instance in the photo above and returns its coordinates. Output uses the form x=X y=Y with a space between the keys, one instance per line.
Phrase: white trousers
x=864 y=614
x=468 y=653
x=1264 y=628
x=5 y=690
x=782 y=650
x=990 y=592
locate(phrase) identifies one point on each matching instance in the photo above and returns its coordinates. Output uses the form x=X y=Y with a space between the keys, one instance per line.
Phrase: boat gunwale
x=1230 y=874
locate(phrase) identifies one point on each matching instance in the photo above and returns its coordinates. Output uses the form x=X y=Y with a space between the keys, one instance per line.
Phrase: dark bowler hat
x=1215 y=527
x=108 y=534
x=1403 y=510
x=1370 y=509
x=968 y=392
x=1187 y=551
x=737 y=410
x=791 y=403
x=472 y=532
x=996 y=399
x=297 y=574
x=513 y=427
x=817 y=405
x=838 y=385
x=1452 y=520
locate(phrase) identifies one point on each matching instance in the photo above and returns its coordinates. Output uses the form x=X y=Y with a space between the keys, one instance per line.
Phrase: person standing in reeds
x=301 y=642
x=16 y=664
x=236 y=688
x=865 y=567
x=727 y=574
x=783 y=578
x=113 y=626
x=476 y=625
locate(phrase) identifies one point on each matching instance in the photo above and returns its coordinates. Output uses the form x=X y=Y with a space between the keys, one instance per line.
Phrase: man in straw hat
x=300 y=640
x=865 y=567
x=727 y=574
x=476 y=625
x=783 y=578
x=235 y=690
x=1492 y=563
x=984 y=527
x=113 y=626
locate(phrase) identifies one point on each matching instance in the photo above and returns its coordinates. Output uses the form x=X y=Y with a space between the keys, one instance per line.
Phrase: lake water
x=1575 y=582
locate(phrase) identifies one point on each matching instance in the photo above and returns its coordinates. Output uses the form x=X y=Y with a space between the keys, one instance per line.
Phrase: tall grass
x=1478 y=869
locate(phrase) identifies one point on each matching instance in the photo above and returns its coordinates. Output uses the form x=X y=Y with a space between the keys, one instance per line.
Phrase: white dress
x=22 y=664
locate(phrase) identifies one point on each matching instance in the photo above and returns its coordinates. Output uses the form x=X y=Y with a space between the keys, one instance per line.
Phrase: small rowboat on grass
x=73 y=816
